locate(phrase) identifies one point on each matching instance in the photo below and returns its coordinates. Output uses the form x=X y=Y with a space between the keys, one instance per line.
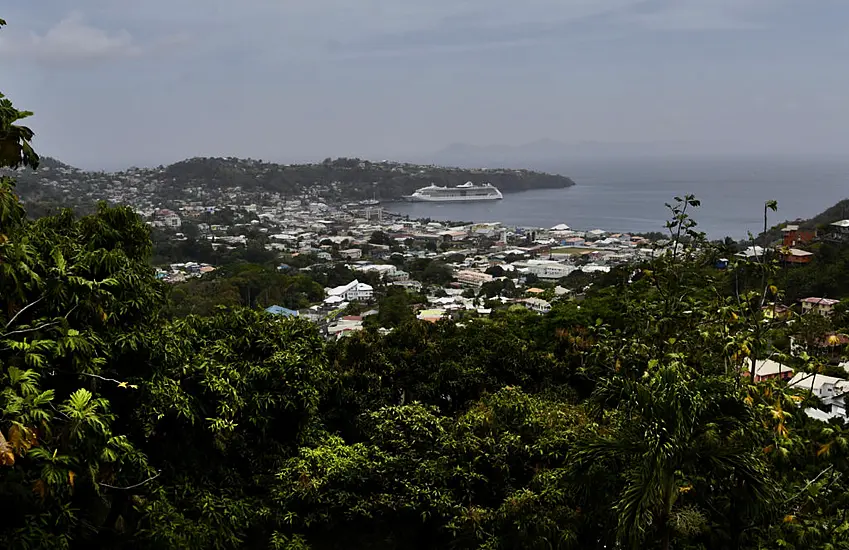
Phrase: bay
x=629 y=195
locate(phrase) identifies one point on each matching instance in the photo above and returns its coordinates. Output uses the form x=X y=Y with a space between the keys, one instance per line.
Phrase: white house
x=351 y=253
x=537 y=304
x=831 y=391
x=169 y=218
x=353 y=291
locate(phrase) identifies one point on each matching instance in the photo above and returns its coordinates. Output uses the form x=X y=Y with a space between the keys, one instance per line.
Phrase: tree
x=437 y=273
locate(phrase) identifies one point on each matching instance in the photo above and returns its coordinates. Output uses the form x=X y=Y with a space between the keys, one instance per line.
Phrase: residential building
x=797 y=256
x=537 y=304
x=840 y=228
x=793 y=236
x=830 y=390
x=767 y=369
x=169 y=218
x=351 y=253
x=354 y=291
x=472 y=278
x=823 y=306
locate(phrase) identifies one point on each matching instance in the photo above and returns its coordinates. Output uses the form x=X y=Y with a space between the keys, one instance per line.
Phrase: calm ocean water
x=630 y=195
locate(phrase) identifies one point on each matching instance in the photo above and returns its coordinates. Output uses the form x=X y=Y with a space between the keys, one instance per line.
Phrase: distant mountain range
x=545 y=153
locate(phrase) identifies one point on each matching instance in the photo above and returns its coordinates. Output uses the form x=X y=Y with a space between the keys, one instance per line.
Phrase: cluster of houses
x=831 y=391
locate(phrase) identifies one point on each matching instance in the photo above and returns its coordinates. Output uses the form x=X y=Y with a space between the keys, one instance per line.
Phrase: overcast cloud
x=120 y=82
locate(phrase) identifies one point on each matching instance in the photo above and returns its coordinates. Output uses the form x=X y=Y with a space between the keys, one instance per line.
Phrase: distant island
x=342 y=179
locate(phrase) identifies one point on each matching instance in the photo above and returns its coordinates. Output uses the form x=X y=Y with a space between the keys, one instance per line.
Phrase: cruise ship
x=466 y=192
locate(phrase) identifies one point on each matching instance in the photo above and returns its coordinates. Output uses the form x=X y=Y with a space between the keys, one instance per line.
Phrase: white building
x=547 y=269
x=353 y=291
x=538 y=305
x=830 y=390
x=472 y=278
x=351 y=253
x=169 y=219
x=823 y=306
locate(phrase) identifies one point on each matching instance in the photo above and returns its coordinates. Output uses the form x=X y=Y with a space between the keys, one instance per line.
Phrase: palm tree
x=677 y=441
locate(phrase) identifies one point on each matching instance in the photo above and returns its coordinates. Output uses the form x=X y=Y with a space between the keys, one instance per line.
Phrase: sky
x=115 y=83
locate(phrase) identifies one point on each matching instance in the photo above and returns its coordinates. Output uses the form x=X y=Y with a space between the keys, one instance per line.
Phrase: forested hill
x=343 y=179
x=839 y=211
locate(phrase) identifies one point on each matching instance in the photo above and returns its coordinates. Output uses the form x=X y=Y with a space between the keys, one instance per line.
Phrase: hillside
x=837 y=212
x=207 y=178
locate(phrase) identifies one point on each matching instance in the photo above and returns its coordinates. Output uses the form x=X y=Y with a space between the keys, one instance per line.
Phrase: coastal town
x=459 y=270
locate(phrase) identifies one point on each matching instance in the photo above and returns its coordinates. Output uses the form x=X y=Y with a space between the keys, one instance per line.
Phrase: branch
x=23 y=309
x=119 y=382
x=71 y=310
x=158 y=473
x=811 y=482
x=26 y=330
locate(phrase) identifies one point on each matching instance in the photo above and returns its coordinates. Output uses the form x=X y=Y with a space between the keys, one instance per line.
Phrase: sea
x=629 y=195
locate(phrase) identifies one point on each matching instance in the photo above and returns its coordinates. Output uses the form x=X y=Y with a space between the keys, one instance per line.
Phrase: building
x=547 y=269
x=776 y=311
x=431 y=315
x=169 y=218
x=793 y=236
x=354 y=291
x=472 y=278
x=281 y=311
x=830 y=390
x=351 y=253
x=823 y=306
x=767 y=369
x=840 y=228
x=537 y=304
x=797 y=256
x=411 y=285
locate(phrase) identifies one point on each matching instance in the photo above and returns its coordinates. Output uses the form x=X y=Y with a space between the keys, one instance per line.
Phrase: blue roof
x=279 y=310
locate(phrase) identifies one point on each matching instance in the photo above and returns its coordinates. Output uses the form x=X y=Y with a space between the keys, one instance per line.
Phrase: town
x=444 y=270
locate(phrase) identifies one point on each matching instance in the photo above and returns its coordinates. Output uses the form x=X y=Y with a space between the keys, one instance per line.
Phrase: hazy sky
x=119 y=82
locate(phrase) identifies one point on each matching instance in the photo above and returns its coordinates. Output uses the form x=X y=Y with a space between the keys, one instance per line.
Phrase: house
x=431 y=315
x=776 y=311
x=752 y=252
x=351 y=253
x=829 y=389
x=169 y=218
x=823 y=306
x=840 y=228
x=472 y=278
x=767 y=369
x=793 y=236
x=537 y=304
x=797 y=256
x=281 y=311
x=354 y=291
x=344 y=327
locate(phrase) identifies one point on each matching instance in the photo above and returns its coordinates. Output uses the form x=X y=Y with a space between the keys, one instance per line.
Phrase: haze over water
x=629 y=195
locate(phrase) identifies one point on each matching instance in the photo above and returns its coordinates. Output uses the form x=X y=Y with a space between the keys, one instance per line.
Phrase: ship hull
x=420 y=198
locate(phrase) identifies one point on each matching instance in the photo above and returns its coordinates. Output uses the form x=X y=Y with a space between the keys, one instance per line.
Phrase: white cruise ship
x=466 y=192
